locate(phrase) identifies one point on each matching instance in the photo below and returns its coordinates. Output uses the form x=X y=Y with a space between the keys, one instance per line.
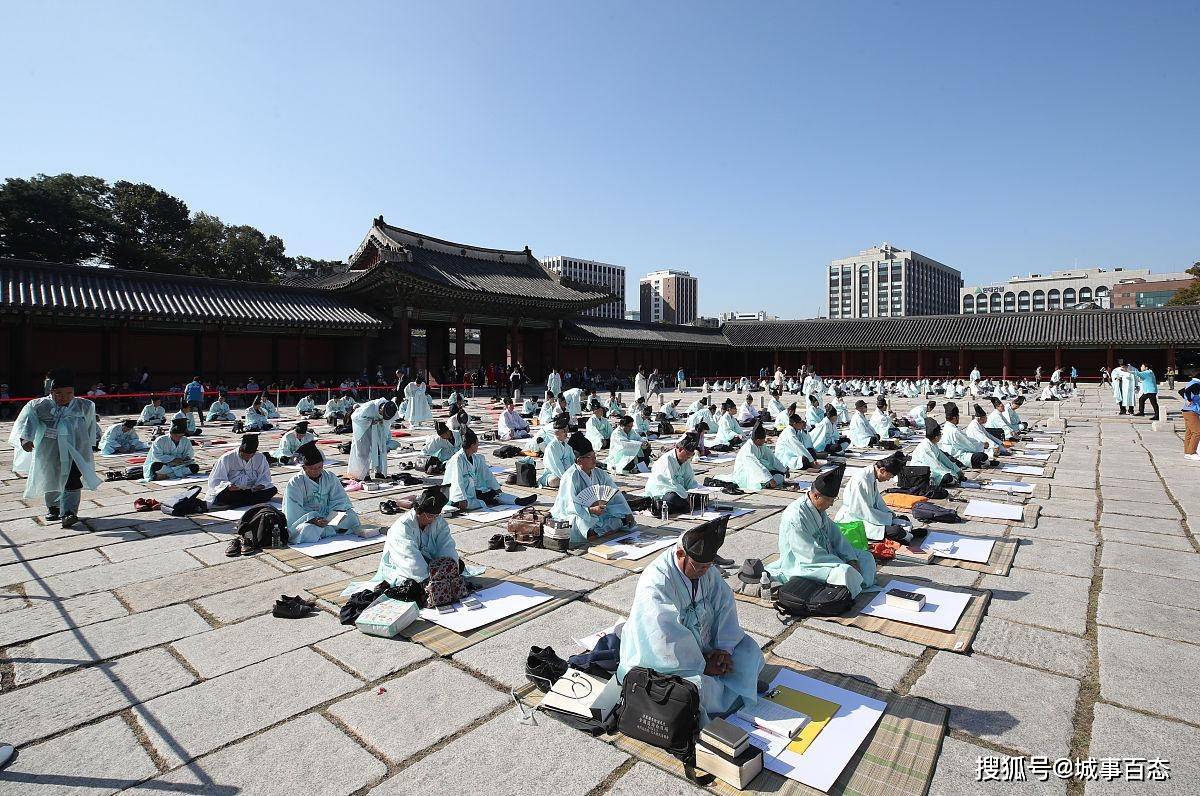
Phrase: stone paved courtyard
x=137 y=656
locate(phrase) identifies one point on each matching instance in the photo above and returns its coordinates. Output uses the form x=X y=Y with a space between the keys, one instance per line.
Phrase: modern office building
x=633 y=315
x=589 y=272
x=761 y=316
x=886 y=282
x=1155 y=291
x=669 y=296
x=1057 y=290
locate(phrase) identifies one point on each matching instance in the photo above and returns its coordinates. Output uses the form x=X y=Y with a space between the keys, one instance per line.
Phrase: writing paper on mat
x=1019 y=487
x=499 y=602
x=991 y=510
x=941 y=612
x=1042 y=446
x=236 y=514
x=827 y=756
x=962 y=548
x=1022 y=469
x=334 y=544
x=635 y=545
x=490 y=513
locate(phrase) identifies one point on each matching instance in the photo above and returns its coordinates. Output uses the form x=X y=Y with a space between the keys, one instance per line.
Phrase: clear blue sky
x=749 y=143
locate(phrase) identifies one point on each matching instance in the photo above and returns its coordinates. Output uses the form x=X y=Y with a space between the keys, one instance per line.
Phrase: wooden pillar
x=406 y=339
x=29 y=381
x=843 y=363
x=275 y=358
x=198 y=353
x=124 y=366
x=920 y=363
x=366 y=353
x=1058 y=357
x=962 y=362
x=460 y=344
x=106 y=359
x=1007 y=362
x=301 y=360
x=1111 y=358
x=221 y=354
x=745 y=362
x=880 y=363
x=1171 y=357
x=587 y=355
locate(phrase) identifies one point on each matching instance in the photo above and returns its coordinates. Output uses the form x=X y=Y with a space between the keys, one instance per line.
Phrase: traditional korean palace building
x=407 y=297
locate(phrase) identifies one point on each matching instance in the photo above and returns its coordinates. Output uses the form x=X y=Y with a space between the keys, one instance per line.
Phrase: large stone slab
x=104 y=577
x=1058 y=557
x=372 y=657
x=842 y=655
x=259 y=598
x=1072 y=492
x=200 y=582
x=1057 y=602
x=1165 y=621
x=305 y=755
x=936 y=574
x=1118 y=733
x=398 y=726
x=1163 y=510
x=512 y=759
x=589 y=570
x=234 y=646
x=749 y=543
x=1161 y=591
x=957 y=768
x=1162 y=541
x=644 y=778
x=1032 y=646
x=129 y=550
x=52 y=706
x=526 y=558
x=92 y=761
x=866 y=637
x=1143 y=524
x=502 y=657
x=65 y=544
x=1151 y=561
x=81 y=646
x=1150 y=674
x=1001 y=702
x=194 y=721
x=46 y=616
x=1069 y=509
x=1061 y=529
x=24 y=571
x=617 y=595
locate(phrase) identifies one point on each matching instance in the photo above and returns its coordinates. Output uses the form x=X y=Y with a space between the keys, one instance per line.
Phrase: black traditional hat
x=310 y=453
x=951 y=410
x=387 y=409
x=62 y=377
x=562 y=421
x=758 y=432
x=688 y=442
x=932 y=429
x=830 y=483
x=249 y=443
x=469 y=438
x=728 y=404
x=979 y=411
x=179 y=425
x=129 y=422
x=894 y=463
x=830 y=411
x=702 y=542
x=580 y=444
x=860 y=405
x=440 y=428
x=431 y=501
x=301 y=426
x=625 y=420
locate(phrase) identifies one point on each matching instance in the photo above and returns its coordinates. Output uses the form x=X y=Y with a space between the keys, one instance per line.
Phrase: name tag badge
x=51 y=432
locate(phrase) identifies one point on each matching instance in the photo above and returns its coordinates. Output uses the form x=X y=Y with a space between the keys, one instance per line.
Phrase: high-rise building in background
x=668 y=296
x=886 y=282
x=1064 y=290
x=589 y=272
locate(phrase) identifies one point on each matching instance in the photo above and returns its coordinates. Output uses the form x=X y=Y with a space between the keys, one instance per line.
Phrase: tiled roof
x=1168 y=325
x=78 y=290
x=606 y=332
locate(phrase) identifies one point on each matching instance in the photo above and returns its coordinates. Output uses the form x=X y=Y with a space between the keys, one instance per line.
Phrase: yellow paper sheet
x=818 y=710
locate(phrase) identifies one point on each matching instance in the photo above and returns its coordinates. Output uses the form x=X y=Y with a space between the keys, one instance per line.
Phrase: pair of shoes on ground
x=505 y=541
x=146 y=504
x=293 y=607
x=67 y=520
x=238 y=548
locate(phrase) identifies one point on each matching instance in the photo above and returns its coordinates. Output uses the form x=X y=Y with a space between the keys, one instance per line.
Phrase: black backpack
x=802 y=597
x=526 y=473
x=184 y=503
x=263 y=527
x=913 y=480
x=932 y=512
x=665 y=428
x=506 y=451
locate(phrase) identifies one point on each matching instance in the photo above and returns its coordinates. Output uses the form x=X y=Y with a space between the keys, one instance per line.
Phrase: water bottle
x=665 y=512
x=765 y=580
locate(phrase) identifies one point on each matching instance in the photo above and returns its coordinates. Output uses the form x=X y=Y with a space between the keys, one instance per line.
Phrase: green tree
x=233 y=252
x=1191 y=293
x=62 y=219
x=149 y=229
x=313 y=264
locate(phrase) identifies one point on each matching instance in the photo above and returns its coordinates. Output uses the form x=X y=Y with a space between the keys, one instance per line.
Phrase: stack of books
x=724 y=750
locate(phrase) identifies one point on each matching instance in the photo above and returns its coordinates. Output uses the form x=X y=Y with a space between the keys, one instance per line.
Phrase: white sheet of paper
x=191 y=479
x=990 y=510
x=718 y=458
x=634 y=552
x=491 y=513
x=1038 y=457
x=1019 y=487
x=825 y=759
x=1042 y=446
x=941 y=612
x=1022 y=469
x=704 y=490
x=497 y=469
x=589 y=642
x=499 y=601
x=710 y=514
x=334 y=544
x=962 y=548
x=236 y=514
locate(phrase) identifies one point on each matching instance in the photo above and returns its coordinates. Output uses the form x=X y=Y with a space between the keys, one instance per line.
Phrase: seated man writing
x=917 y=415
x=256 y=416
x=729 y=431
x=684 y=622
x=943 y=471
x=812 y=546
x=589 y=519
x=441 y=446
x=863 y=502
x=747 y=415
x=756 y=467
x=306 y=406
x=122 y=438
x=826 y=437
x=559 y=456
x=997 y=422
x=881 y=420
x=627 y=448
x=963 y=449
x=510 y=425
x=153 y=413
x=794 y=448
x=416 y=539
x=598 y=429
x=672 y=476
x=338 y=408
x=314 y=501
x=472 y=484
x=171 y=456
x=290 y=442
x=975 y=430
x=219 y=409
x=188 y=412
x=862 y=433
x=241 y=477
x=701 y=414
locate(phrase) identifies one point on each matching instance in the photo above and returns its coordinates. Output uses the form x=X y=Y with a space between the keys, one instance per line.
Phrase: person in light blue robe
x=844 y=416
x=862 y=501
x=815 y=413
x=53 y=438
x=472 y=483
x=943 y=471
x=311 y=499
x=153 y=413
x=881 y=421
x=372 y=426
x=672 y=477
x=1010 y=414
x=269 y=407
x=588 y=519
x=641 y=423
x=812 y=546
x=626 y=447
x=256 y=416
x=171 y=456
x=454 y=401
x=559 y=456
x=598 y=429
x=614 y=405
x=416 y=539
x=729 y=431
x=825 y=436
x=304 y=407
x=529 y=407
x=964 y=450
x=756 y=466
x=219 y=409
x=122 y=438
x=416 y=408
x=188 y=415
x=794 y=448
x=549 y=410
x=338 y=406
x=777 y=411
x=670 y=410
x=698 y=404
x=554 y=382
x=997 y=421
x=290 y=442
x=862 y=434
x=442 y=445
x=683 y=622
x=702 y=414
x=574 y=399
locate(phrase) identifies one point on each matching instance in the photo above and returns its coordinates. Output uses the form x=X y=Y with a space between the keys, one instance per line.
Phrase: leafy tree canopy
x=1191 y=293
